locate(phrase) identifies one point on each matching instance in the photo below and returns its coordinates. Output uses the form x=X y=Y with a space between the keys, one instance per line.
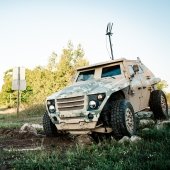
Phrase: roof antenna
x=109 y=33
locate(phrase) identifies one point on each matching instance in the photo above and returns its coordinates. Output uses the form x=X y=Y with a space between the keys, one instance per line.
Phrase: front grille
x=72 y=103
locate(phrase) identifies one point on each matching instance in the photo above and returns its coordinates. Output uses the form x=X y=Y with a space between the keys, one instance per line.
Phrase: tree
x=6 y=92
x=52 y=62
x=43 y=81
x=69 y=61
x=162 y=85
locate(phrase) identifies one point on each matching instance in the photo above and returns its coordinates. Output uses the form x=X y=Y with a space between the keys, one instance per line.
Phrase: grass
x=31 y=114
x=151 y=153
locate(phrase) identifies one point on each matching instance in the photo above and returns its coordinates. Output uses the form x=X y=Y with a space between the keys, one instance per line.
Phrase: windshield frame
x=105 y=71
x=85 y=76
x=98 y=71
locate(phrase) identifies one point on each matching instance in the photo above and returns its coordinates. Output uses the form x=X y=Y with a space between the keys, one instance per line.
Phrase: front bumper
x=75 y=125
x=77 y=128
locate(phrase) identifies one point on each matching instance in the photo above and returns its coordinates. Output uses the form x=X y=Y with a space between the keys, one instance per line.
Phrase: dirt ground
x=12 y=138
x=9 y=111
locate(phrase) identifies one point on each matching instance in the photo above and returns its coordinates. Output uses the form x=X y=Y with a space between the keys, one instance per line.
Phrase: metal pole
x=18 y=98
x=111 y=46
x=109 y=33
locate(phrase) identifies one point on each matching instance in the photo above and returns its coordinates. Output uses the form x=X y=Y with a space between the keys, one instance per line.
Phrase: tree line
x=43 y=81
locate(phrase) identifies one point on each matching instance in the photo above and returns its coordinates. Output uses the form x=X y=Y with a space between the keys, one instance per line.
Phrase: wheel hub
x=129 y=120
x=163 y=104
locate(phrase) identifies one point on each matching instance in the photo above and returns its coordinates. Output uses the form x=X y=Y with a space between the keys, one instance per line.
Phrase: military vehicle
x=104 y=99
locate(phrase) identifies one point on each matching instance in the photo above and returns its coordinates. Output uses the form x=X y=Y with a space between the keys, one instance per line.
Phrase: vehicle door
x=146 y=87
x=135 y=90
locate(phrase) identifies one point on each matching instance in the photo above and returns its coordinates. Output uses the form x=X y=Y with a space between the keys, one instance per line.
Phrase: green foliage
x=13 y=121
x=6 y=159
x=43 y=81
x=5 y=95
x=32 y=114
x=168 y=98
x=162 y=84
x=152 y=153
x=33 y=110
x=69 y=61
x=52 y=62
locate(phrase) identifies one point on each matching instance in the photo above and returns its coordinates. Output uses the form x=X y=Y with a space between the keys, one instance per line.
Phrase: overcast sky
x=31 y=30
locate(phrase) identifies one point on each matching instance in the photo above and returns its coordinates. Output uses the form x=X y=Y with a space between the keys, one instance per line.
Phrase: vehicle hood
x=104 y=85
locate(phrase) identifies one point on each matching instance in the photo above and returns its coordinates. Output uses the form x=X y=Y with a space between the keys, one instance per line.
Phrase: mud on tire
x=158 y=104
x=49 y=128
x=123 y=120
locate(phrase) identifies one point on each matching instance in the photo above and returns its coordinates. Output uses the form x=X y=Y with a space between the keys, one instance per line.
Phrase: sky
x=31 y=30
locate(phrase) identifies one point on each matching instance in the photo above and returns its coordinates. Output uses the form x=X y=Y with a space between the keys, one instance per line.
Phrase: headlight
x=51 y=106
x=92 y=104
x=101 y=97
x=48 y=102
x=95 y=100
x=51 y=109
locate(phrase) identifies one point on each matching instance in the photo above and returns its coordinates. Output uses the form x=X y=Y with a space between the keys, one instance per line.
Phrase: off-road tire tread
x=49 y=128
x=155 y=105
x=118 y=118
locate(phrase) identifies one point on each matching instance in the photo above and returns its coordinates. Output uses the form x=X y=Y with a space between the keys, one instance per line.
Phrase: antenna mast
x=109 y=33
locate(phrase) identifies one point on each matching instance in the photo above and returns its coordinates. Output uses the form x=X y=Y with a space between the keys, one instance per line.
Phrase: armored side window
x=131 y=71
x=85 y=75
x=111 y=71
x=140 y=70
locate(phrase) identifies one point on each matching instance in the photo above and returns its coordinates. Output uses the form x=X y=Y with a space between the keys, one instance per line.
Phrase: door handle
x=139 y=88
x=144 y=87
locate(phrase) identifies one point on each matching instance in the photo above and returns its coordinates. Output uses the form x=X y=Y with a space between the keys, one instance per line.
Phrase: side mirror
x=135 y=68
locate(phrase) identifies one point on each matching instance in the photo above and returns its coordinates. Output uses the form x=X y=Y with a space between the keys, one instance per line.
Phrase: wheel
x=158 y=104
x=123 y=120
x=49 y=128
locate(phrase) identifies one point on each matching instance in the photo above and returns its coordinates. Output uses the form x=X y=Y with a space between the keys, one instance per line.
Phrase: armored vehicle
x=104 y=99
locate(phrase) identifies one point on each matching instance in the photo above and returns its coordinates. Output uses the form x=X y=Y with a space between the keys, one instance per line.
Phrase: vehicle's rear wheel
x=49 y=128
x=123 y=120
x=158 y=104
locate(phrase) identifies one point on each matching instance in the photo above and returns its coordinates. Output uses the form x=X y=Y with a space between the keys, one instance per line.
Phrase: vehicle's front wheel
x=158 y=104
x=49 y=128
x=123 y=120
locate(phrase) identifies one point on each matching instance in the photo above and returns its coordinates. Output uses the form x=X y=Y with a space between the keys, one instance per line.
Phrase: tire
x=123 y=120
x=158 y=105
x=50 y=129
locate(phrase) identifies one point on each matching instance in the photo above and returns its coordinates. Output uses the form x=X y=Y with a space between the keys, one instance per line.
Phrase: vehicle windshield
x=111 y=71
x=85 y=75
